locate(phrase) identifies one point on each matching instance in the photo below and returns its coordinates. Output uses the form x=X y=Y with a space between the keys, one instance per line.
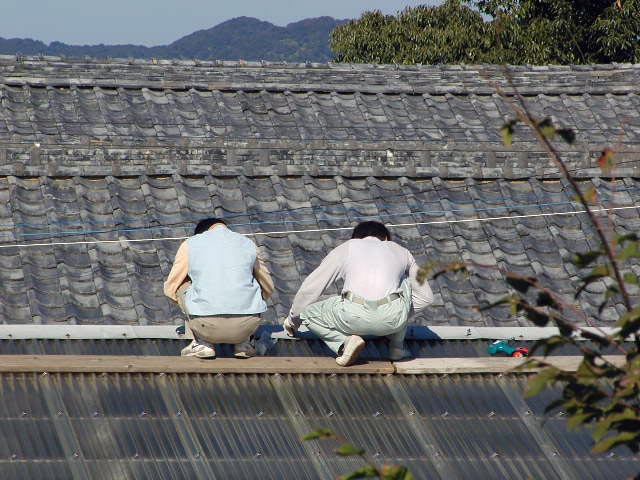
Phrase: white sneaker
x=353 y=345
x=289 y=327
x=195 y=349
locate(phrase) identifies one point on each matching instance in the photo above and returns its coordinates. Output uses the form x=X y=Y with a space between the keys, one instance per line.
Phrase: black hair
x=206 y=224
x=371 y=229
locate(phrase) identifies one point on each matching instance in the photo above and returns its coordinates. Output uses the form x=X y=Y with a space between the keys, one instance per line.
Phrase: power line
x=298 y=221
x=285 y=221
x=313 y=209
x=325 y=207
x=319 y=230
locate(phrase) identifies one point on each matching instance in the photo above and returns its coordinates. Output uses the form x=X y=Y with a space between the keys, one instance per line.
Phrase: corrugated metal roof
x=248 y=426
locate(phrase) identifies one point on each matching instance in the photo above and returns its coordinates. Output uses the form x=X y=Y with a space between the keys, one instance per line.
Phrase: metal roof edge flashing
x=129 y=332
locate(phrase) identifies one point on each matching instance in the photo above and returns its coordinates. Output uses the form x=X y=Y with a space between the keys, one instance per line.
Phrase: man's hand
x=289 y=327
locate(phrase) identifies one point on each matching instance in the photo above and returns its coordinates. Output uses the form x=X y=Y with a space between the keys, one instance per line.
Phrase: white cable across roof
x=317 y=230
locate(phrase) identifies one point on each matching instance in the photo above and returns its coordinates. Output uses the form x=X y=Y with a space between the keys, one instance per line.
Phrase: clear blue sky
x=158 y=22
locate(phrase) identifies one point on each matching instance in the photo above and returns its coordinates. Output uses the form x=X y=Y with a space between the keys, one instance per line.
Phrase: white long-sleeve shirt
x=371 y=268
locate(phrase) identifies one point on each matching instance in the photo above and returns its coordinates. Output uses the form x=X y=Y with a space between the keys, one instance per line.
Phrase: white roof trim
x=87 y=332
x=124 y=332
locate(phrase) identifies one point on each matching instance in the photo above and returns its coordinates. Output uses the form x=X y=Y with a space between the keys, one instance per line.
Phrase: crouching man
x=221 y=285
x=380 y=288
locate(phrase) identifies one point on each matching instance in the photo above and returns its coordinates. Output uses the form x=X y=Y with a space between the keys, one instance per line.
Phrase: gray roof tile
x=127 y=148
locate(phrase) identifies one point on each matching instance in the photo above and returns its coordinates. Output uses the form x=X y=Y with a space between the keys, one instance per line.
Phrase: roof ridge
x=261 y=63
x=317 y=77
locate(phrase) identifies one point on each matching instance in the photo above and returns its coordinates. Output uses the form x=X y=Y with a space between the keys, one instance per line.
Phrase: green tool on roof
x=503 y=347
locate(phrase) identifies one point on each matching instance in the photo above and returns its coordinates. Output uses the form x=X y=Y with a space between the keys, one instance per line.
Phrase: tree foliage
x=370 y=469
x=511 y=31
x=451 y=33
x=601 y=393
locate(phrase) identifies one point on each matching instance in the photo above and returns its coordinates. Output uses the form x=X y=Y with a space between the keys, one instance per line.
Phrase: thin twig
x=534 y=283
x=560 y=300
x=524 y=115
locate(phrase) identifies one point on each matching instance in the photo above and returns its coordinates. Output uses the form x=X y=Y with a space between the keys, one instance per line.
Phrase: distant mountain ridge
x=242 y=38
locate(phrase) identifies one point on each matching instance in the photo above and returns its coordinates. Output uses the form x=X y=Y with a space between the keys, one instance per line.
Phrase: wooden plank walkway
x=122 y=363
x=266 y=365
x=488 y=364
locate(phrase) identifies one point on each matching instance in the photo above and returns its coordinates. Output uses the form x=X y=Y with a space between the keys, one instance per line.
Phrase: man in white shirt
x=379 y=290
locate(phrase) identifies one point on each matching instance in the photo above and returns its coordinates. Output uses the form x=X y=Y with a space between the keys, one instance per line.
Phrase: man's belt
x=352 y=297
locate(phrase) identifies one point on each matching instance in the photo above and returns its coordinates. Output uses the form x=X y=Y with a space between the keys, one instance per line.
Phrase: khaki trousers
x=233 y=329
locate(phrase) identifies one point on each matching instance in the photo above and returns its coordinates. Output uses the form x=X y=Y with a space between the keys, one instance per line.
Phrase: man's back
x=374 y=268
x=221 y=264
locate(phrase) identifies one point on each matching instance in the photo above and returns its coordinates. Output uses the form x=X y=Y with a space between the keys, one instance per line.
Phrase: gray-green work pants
x=336 y=318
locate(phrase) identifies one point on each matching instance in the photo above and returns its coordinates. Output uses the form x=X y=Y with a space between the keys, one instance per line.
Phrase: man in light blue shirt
x=221 y=284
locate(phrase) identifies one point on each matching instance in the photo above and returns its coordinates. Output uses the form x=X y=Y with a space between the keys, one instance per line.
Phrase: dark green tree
x=450 y=33
x=511 y=31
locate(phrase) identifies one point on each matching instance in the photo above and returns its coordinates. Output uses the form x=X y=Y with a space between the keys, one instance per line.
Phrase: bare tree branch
x=524 y=115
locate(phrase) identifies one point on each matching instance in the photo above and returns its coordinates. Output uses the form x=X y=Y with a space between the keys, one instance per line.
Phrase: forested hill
x=242 y=38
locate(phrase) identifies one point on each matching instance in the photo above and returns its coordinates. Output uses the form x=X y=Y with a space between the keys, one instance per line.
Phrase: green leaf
x=554 y=405
x=600 y=271
x=629 y=322
x=546 y=128
x=578 y=419
x=320 y=433
x=507 y=132
x=538 y=317
x=630 y=250
x=348 y=449
x=515 y=305
x=587 y=372
x=610 y=442
x=539 y=382
x=582 y=260
x=436 y=269
x=605 y=424
x=629 y=237
x=395 y=472
x=602 y=427
x=546 y=300
x=609 y=293
x=625 y=392
x=368 y=471
x=567 y=134
x=502 y=301
x=631 y=278
x=566 y=328
x=520 y=284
